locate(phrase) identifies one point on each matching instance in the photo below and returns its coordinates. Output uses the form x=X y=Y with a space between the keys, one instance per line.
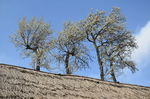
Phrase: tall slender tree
x=118 y=53
x=102 y=30
x=92 y=26
x=70 y=48
x=34 y=38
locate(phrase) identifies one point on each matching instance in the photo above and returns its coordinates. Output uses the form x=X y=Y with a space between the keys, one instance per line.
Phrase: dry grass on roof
x=19 y=83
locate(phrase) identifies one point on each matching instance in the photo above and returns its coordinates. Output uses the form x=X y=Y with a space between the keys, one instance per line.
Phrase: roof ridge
x=86 y=78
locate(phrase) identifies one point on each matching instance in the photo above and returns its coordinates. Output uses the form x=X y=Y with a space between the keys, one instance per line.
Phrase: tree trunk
x=37 y=68
x=112 y=72
x=38 y=61
x=38 y=64
x=67 y=64
x=100 y=63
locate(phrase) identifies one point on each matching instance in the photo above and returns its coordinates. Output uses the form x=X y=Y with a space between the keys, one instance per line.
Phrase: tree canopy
x=70 y=48
x=110 y=39
x=34 y=38
x=112 y=42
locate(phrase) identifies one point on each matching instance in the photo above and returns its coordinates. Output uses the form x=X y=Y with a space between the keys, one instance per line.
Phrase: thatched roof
x=21 y=83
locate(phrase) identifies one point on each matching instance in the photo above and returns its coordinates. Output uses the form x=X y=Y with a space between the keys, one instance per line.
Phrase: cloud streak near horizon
x=141 y=56
x=142 y=53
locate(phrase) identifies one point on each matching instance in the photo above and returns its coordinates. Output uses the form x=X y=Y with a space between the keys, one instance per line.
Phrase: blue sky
x=56 y=12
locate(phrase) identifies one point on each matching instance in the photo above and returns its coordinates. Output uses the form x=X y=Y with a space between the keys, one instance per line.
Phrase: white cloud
x=141 y=55
x=142 y=58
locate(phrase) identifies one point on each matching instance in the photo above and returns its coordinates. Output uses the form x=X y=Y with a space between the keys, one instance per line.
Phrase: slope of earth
x=21 y=83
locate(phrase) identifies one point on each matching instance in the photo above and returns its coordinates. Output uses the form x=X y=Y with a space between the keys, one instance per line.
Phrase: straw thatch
x=21 y=83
